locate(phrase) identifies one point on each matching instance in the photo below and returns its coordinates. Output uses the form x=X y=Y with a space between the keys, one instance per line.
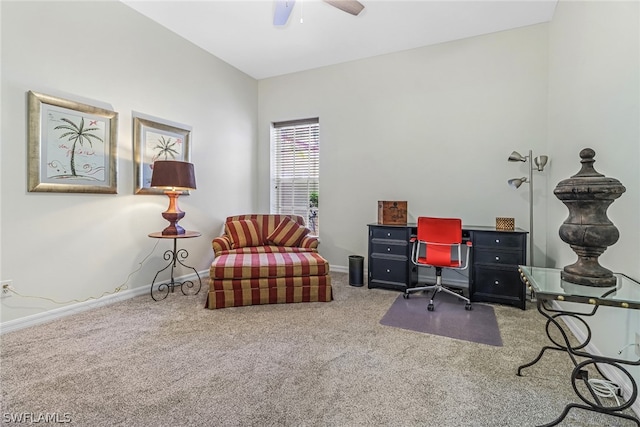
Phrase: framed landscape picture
x=157 y=139
x=72 y=147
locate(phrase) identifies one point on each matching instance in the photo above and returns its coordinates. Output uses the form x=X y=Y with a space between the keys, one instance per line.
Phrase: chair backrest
x=439 y=235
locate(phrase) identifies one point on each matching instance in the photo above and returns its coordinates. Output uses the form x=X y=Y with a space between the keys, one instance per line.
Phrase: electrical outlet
x=637 y=344
x=5 y=284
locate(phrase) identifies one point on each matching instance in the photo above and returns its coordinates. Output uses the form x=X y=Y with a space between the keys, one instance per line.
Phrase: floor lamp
x=540 y=163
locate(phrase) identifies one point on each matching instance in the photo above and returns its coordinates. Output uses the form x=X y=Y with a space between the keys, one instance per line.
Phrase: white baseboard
x=611 y=373
x=67 y=310
x=342 y=269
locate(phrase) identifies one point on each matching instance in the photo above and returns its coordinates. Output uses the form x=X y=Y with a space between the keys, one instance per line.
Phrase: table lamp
x=175 y=177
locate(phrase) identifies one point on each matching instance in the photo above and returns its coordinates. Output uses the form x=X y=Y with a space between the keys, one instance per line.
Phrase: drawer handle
x=388 y=271
x=388 y=249
x=497 y=240
x=388 y=234
x=497 y=258
x=496 y=282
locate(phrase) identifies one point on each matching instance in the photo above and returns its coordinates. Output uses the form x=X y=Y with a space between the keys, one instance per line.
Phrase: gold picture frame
x=157 y=139
x=72 y=147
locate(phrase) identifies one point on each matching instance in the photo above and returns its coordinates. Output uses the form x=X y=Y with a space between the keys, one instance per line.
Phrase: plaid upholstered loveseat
x=267 y=259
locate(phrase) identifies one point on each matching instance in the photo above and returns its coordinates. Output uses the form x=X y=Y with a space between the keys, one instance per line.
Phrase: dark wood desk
x=494 y=259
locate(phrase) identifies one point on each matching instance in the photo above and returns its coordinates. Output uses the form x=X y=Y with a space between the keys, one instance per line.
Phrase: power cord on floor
x=115 y=291
x=605 y=388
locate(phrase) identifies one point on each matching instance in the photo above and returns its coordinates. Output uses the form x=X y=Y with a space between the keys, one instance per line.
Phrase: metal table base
x=581 y=359
x=175 y=257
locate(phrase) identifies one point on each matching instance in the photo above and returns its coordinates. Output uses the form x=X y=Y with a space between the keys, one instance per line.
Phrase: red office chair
x=442 y=240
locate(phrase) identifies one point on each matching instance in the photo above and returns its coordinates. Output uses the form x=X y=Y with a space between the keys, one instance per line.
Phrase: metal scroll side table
x=547 y=286
x=174 y=257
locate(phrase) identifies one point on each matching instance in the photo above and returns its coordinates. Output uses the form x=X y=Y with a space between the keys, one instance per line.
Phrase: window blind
x=295 y=169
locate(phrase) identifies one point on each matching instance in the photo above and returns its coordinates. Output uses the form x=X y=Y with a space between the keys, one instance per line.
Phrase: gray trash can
x=356 y=266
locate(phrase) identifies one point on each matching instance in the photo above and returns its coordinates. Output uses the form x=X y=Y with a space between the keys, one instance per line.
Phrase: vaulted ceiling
x=241 y=32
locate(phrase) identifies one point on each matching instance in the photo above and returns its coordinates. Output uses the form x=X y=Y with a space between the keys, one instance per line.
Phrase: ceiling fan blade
x=282 y=11
x=353 y=7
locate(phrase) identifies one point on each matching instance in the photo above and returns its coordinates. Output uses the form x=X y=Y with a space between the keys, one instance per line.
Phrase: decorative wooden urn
x=588 y=230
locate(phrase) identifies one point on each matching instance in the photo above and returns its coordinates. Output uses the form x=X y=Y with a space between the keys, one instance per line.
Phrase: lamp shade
x=517 y=157
x=517 y=182
x=540 y=162
x=173 y=174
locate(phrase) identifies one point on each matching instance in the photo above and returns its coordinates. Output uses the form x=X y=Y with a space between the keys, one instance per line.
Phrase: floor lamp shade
x=175 y=177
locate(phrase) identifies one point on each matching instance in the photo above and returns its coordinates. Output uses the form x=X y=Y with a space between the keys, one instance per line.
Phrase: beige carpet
x=173 y=363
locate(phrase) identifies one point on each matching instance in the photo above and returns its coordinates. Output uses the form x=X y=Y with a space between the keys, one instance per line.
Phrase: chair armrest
x=221 y=243
x=469 y=246
x=309 y=242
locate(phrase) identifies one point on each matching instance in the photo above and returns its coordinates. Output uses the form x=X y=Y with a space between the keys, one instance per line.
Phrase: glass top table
x=547 y=284
x=549 y=288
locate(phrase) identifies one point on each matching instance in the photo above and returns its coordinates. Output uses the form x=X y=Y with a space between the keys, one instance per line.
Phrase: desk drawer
x=390 y=248
x=497 y=240
x=392 y=270
x=392 y=233
x=490 y=256
x=500 y=282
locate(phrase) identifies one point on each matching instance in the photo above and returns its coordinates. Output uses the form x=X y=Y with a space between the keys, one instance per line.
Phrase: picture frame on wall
x=157 y=139
x=72 y=147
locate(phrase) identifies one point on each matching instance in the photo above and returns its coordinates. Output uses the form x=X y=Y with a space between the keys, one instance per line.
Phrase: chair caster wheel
x=405 y=295
x=467 y=307
x=430 y=307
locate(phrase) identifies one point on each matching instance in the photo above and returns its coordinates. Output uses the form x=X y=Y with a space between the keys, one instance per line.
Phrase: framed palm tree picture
x=72 y=147
x=157 y=139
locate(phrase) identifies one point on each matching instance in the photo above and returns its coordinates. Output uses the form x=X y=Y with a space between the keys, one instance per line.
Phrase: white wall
x=433 y=126
x=594 y=88
x=73 y=246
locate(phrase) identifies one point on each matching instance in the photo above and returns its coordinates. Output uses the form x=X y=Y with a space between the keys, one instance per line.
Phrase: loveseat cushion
x=232 y=265
x=243 y=233
x=266 y=222
x=288 y=233
x=266 y=249
x=222 y=245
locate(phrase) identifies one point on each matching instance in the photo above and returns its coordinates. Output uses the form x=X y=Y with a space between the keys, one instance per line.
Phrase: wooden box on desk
x=392 y=212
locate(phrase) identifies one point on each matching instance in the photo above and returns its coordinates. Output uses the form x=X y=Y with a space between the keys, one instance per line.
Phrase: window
x=295 y=172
